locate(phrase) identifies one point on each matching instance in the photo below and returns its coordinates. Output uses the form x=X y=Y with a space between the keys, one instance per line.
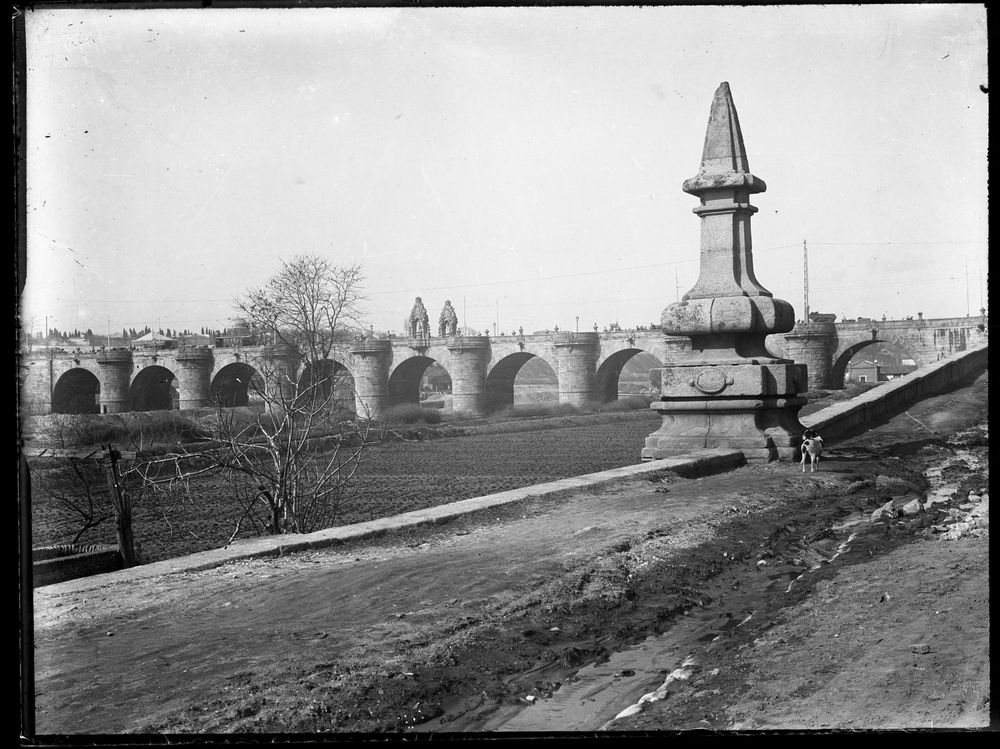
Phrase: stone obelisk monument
x=728 y=391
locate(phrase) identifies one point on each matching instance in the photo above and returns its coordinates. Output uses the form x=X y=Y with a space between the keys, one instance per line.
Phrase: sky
x=524 y=163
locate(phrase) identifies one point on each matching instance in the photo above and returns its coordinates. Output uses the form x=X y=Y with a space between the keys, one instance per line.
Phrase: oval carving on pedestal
x=710 y=381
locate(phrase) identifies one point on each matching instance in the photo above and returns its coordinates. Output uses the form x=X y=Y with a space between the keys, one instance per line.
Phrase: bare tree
x=74 y=482
x=290 y=463
x=309 y=305
x=75 y=488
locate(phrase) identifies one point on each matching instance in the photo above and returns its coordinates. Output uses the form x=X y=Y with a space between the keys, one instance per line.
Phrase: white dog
x=812 y=446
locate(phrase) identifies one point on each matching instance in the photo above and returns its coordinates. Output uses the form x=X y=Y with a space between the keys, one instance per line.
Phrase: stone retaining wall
x=48 y=569
x=881 y=403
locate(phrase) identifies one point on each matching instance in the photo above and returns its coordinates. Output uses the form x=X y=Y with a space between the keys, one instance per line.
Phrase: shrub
x=411 y=413
x=164 y=427
x=628 y=403
x=91 y=430
x=536 y=409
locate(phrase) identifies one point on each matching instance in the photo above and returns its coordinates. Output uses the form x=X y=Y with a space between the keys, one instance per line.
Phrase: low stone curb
x=697 y=463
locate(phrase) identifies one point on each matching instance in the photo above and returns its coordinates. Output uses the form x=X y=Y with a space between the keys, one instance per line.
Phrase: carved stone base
x=763 y=424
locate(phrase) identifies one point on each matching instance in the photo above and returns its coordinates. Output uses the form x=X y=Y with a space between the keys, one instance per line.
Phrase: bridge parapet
x=114 y=356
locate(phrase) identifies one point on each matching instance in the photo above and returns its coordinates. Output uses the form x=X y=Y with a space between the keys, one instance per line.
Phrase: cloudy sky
x=525 y=163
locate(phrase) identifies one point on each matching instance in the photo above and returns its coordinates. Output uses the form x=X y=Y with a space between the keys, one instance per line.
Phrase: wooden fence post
x=123 y=508
x=119 y=499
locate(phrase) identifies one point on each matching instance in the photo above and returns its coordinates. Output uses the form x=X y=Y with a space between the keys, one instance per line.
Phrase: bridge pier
x=372 y=358
x=281 y=373
x=576 y=357
x=116 y=376
x=469 y=357
x=194 y=377
x=813 y=344
x=675 y=347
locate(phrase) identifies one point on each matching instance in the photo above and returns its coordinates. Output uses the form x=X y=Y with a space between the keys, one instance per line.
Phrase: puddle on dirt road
x=595 y=696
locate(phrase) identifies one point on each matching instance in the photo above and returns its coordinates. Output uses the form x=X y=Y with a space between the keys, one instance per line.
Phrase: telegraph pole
x=677 y=284
x=967 y=287
x=48 y=350
x=805 y=280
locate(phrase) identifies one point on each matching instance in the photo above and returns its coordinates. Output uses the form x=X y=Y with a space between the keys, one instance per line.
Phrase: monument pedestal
x=749 y=407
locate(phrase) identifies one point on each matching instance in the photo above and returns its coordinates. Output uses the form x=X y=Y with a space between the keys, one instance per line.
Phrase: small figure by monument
x=448 y=321
x=419 y=320
x=728 y=391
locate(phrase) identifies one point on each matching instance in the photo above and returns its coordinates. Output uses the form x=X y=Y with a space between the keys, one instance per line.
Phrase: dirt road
x=758 y=598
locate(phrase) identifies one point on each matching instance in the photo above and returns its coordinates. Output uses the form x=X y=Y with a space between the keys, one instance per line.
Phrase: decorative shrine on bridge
x=728 y=391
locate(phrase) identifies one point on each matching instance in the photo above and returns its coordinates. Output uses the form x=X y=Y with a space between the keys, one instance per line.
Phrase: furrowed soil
x=759 y=598
x=417 y=466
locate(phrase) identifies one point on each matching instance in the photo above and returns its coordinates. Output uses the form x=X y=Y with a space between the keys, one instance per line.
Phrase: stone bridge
x=827 y=347
x=387 y=371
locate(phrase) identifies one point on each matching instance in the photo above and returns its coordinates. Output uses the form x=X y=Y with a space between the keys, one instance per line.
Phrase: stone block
x=885 y=512
x=728 y=314
x=912 y=507
x=737 y=380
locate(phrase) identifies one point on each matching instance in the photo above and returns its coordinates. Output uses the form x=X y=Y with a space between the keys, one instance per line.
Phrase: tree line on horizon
x=127 y=333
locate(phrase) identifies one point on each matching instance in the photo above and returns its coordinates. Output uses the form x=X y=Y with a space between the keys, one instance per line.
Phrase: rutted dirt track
x=759 y=598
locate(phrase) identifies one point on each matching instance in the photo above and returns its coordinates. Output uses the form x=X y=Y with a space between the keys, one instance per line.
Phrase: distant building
x=894 y=371
x=237 y=337
x=235 y=340
x=865 y=371
x=154 y=340
x=822 y=317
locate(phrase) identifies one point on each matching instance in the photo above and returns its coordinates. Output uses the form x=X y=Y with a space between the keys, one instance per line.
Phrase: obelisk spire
x=724 y=158
x=725 y=153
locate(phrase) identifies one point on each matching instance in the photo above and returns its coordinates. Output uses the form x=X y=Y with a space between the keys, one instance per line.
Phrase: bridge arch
x=335 y=382
x=839 y=368
x=235 y=384
x=77 y=391
x=154 y=388
x=610 y=370
x=502 y=377
x=405 y=378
